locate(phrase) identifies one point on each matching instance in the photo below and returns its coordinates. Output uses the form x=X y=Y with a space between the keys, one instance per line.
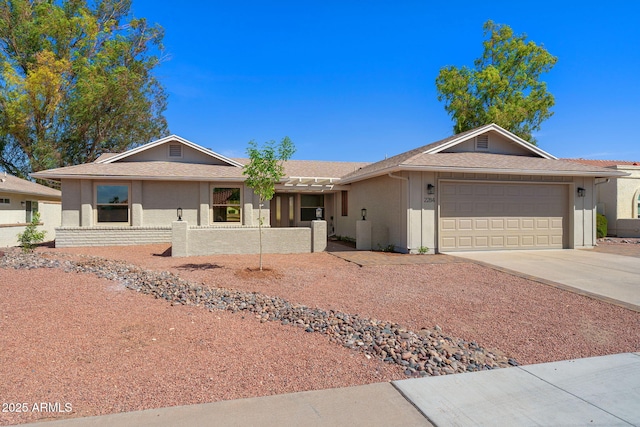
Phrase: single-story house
x=618 y=198
x=484 y=189
x=19 y=199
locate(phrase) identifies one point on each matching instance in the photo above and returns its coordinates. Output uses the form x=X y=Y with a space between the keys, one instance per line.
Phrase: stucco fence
x=628 y=227
x=199 y=240
x=9 y=234
x=202 y=240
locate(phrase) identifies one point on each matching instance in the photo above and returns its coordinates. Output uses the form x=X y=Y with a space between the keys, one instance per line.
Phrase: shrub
x=601 y=226
x=31 y=236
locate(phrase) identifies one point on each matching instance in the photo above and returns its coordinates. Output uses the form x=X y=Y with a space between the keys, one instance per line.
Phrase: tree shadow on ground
x=193 y=267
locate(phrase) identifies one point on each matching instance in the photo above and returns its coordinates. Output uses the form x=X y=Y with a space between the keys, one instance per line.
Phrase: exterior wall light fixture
x=179 y=212
x=581 y=192
x=363 y=212
x=431 y=189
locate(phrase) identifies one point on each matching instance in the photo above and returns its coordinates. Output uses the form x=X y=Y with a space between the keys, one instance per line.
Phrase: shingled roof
x=13 y=184
x=603 y=163
x=430 y=157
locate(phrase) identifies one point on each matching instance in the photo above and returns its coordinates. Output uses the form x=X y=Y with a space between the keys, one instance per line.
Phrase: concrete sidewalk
x=594 y=391
x=612 y=278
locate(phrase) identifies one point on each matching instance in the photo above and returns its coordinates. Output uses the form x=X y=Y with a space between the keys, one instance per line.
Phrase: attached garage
x=500 y=216
x=482 y=189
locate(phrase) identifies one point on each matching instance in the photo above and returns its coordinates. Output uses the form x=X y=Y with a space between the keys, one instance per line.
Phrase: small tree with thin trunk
x=265 y=170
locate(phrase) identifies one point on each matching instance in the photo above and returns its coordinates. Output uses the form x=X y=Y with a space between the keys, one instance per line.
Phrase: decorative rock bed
x=421 y=353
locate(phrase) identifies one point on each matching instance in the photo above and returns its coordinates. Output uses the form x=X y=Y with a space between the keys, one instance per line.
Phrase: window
x=345 y=203
x=308 y=205
x=112 y=203
x=638 y=207
x=226 y=204
x=31 y=208
x=5 y=201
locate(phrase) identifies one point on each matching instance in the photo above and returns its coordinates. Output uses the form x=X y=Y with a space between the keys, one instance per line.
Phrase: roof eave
x=138 y=177
x=33 y=193
x=515 y=171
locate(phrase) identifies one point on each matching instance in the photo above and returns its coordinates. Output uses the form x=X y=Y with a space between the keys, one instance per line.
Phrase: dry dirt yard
x=91 y=344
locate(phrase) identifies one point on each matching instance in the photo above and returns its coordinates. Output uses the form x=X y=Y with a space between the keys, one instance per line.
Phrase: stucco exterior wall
x=422 y=212
x=13 y=217
x=618 y=200
x=154 y=203
x=627 y=190
x=584 y=213
x=385 y=200
x=161 y=199
x=70 y=202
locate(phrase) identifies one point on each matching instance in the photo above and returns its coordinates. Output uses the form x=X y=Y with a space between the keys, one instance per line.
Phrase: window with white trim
x=226 y=204
x=112 y=203
x=4 y=201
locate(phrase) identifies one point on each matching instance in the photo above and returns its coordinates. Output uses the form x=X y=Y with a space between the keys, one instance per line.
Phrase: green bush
x=601 y=226
x=31 y=236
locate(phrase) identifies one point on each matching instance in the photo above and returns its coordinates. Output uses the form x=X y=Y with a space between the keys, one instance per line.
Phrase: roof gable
x=458 y=153
x=173 y=149
x=507 y=143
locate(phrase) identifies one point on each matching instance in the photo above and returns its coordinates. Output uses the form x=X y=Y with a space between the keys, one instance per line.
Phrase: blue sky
x=355 y=80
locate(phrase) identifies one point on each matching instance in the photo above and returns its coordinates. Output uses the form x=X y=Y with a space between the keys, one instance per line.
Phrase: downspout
x=408 y=210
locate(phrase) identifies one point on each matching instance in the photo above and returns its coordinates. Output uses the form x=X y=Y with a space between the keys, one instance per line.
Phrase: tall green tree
x=504 y=87
x=264 y=170
x=75 y=81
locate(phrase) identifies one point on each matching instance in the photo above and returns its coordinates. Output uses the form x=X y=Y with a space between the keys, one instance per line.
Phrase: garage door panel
x=481 y=242
x=448 y=224
x=497 y=241
x=512 y=241
x=527 y=224
x=542 y=224
x=465 y=242
x=497 y=223
x=481 y=224
x=482 y=216
x=542 y=240
x=465 y=224
x=515 y=224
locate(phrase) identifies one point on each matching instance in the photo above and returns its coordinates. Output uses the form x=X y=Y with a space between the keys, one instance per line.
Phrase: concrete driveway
x=613 y=278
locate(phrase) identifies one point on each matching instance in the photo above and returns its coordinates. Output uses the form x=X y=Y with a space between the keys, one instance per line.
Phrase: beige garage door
x=496 y=216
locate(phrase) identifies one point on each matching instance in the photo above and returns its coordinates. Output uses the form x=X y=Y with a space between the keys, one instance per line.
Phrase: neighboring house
x=483 y=189
x=618 y=198
x=19 y=199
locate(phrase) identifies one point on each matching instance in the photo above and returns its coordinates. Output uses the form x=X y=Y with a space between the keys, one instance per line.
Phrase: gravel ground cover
x=72 y=337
